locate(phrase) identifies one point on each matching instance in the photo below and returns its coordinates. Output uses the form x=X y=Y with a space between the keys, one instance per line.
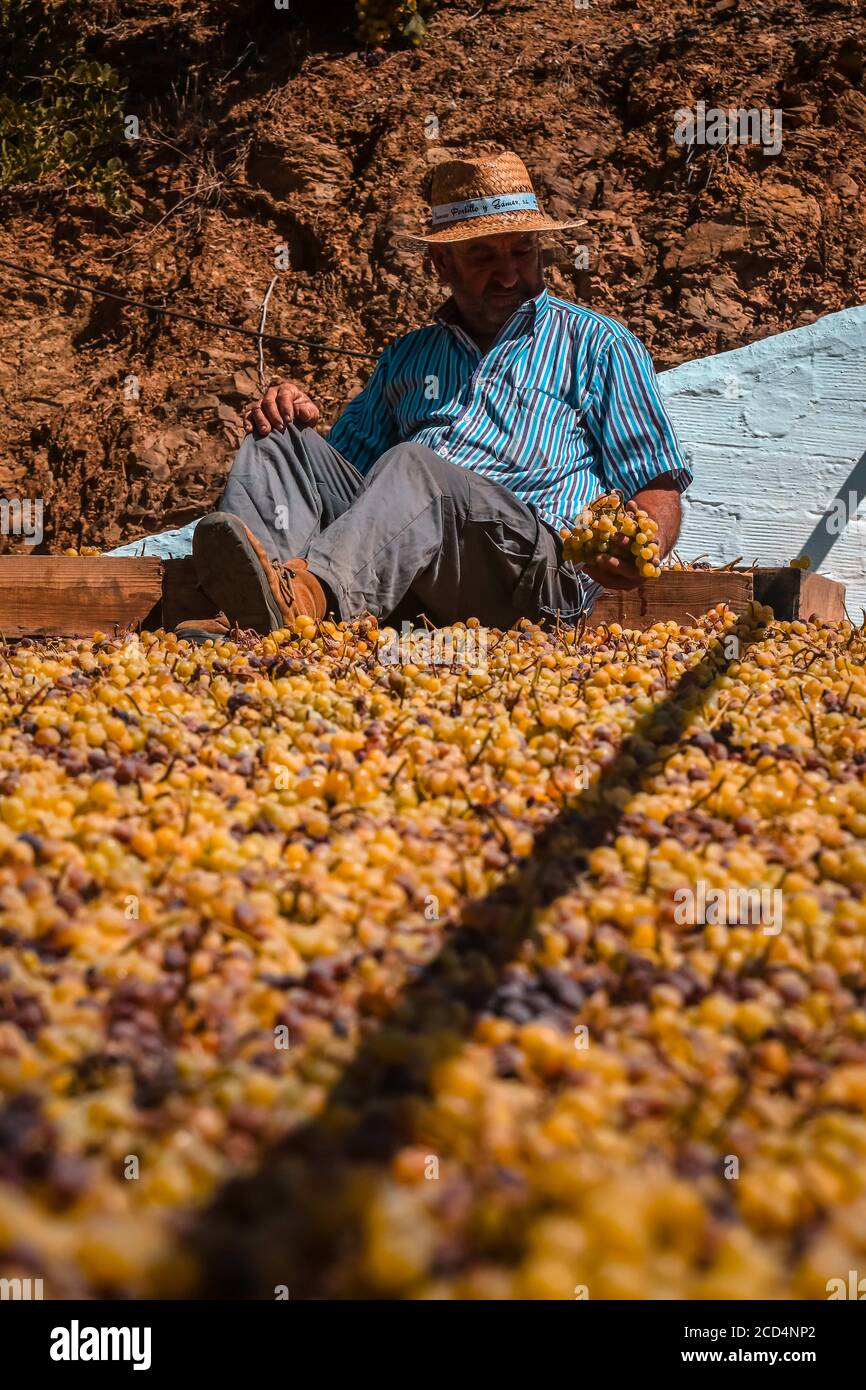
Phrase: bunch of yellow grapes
x=381 y=20
x=603 y=527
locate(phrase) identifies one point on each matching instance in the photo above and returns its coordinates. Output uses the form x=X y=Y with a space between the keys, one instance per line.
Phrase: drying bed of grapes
x=337 y=975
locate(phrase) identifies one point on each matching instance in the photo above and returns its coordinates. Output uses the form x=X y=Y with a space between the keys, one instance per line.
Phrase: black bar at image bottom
x=61 y=1338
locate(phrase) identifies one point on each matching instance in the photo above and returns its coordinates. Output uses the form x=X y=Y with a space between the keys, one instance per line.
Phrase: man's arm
x=660 y=499
x=367 y=426
x=638 y=450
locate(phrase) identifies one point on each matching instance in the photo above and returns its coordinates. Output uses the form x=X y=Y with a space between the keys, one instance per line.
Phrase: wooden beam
x=798 y=594
x=73 y=596
x=676 y=594
x=674 y=597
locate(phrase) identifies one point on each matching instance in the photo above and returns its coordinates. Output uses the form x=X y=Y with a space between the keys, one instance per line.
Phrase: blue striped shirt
x=564 y=405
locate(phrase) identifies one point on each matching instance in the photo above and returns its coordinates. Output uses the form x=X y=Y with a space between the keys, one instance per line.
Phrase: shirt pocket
x=548 y=430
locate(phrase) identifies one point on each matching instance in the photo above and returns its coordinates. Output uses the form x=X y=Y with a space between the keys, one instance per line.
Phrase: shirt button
x=442 y=452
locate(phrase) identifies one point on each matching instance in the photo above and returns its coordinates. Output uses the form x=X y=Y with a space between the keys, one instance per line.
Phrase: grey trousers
x=415 y=534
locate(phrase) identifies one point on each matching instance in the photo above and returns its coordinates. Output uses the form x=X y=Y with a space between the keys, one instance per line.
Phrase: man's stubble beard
x=493 y=318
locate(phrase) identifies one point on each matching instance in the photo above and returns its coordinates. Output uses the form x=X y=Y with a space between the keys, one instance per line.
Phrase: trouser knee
x=263 y=451
x=416 y=463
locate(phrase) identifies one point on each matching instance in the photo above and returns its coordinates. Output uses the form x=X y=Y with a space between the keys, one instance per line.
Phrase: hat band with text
x=445 y=213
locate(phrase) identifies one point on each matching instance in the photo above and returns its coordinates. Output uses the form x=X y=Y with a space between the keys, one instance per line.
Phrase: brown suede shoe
x=233 y=569
x=204 y=629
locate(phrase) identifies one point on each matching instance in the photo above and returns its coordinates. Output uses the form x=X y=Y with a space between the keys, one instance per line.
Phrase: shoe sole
x=230 y=573
x=198 y=635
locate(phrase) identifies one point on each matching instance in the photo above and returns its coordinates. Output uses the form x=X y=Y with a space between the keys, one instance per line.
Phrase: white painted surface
x=774 y=432
x=165 y=545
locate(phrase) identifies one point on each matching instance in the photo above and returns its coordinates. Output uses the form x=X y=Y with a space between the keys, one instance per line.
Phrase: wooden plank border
x=74 y=596
x=673 y=597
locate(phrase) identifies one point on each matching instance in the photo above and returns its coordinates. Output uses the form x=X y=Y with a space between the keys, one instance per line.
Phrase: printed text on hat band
x=445 y=213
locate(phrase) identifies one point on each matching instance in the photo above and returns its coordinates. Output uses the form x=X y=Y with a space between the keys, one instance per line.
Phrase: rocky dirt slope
x=263 y=128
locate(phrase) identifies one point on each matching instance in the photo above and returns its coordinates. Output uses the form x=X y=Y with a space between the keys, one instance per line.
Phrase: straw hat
x=480 y=197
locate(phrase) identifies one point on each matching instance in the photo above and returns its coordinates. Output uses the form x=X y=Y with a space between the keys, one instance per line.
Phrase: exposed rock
x=307 y=165
x=782 y=207
x=705 y=242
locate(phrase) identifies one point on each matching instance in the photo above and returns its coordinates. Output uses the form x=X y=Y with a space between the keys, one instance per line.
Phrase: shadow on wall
x=841 y=510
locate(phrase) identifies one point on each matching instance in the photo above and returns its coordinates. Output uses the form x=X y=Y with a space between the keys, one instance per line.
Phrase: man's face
x=491 y=276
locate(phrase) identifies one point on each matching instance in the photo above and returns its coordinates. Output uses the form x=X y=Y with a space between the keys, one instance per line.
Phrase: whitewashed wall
x=774 y=432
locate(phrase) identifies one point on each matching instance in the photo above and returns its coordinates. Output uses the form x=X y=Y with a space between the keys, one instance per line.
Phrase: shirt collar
x=525 y=318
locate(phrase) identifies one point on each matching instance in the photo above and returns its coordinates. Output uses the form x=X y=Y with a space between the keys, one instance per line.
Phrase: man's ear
x=439 y=262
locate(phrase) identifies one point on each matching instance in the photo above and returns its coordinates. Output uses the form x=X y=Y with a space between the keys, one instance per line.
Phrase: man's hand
x=614 y=572
x=286 y=404
x=617 y=569
x=660 y=500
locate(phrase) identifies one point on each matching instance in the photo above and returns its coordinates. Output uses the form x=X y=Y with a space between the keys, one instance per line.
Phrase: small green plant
x=61 y=115
x=381 y=20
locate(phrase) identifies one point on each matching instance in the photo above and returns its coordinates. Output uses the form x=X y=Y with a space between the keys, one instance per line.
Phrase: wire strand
x=189 y=318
